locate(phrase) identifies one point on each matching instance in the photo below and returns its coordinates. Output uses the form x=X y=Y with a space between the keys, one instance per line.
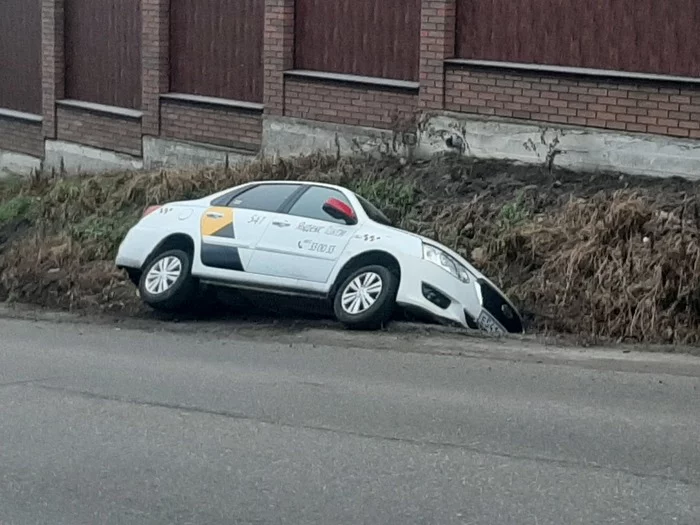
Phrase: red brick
x=680 y=99
x=680 y=115
x=601 y=115
x=627 y=118
x=596 y=123
x=671 y=123
x=621 y=126
x=638 y=96
x=367 y=106
x=637 y=128
x=648 y=120
x=21 y=136
x=678 y=132
x=103 y=131
x=577 y=121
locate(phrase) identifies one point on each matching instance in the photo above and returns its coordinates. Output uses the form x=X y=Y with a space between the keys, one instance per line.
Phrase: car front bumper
x=478 y=304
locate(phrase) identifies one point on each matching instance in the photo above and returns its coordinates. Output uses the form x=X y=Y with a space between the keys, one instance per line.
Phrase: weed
x=594 y=254
x=514 y=213
x=17 y=208
x=101 y=235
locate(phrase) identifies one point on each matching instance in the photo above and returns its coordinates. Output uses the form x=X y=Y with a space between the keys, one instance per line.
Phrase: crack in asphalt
x=28 y=381
x=318 y=428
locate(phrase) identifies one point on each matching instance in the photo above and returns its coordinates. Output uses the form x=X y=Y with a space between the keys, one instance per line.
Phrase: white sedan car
x=309 y=240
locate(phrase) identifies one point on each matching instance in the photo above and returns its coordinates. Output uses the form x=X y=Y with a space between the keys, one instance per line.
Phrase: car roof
x=298 y=183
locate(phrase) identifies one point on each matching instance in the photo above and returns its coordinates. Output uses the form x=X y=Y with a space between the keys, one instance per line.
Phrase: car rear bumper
x=131 y=252
x=477 y=305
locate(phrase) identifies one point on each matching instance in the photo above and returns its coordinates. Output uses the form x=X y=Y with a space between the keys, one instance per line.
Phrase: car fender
x=371 y=239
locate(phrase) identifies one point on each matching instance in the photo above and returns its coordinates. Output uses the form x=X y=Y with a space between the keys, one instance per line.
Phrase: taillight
x=149 y=210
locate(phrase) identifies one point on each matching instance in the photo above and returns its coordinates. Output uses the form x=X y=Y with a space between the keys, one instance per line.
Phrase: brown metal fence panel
x=20 y=55
x=377 y=38
x=216 y=48
x=103 y=51
x=647 y=36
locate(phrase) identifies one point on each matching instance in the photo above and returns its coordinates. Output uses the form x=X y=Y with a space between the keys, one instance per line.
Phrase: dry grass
x=600 y=256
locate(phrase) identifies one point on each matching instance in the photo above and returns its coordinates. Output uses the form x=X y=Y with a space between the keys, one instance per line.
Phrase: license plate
x=488 y=324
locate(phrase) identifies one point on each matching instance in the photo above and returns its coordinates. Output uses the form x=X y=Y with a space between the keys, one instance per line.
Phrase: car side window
x=310 y=204
x=266 y=197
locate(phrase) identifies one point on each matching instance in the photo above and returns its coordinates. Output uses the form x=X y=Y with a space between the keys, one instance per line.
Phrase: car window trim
x=230 y=196
x=290 y=201
x=241 y=191
x=306 y=187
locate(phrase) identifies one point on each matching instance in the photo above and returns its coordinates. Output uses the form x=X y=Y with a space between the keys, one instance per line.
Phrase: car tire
x=178 y=290
x=360 y=315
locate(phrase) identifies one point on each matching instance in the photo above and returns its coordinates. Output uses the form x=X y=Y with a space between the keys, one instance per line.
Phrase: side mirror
x=339 y=210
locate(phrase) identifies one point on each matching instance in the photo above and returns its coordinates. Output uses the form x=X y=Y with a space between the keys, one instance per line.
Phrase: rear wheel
x=366 y=298
x=166 y=282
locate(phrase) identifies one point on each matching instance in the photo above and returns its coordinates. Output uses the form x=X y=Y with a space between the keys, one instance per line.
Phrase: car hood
x=446 y=249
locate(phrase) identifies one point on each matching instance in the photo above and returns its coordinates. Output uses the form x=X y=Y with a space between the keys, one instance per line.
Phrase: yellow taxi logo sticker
x=217 y=222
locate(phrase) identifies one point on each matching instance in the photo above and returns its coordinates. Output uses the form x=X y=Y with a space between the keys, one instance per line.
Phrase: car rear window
x=266 y=197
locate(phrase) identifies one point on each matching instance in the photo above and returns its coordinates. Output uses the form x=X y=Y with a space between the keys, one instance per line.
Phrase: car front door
x=304 y=243
x=231 y=228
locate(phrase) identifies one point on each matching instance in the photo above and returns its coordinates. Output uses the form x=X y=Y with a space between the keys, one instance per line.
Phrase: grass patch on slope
x=597 y=255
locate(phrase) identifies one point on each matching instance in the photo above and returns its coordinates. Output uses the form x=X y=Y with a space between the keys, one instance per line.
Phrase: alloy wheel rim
x=362 y=293
x=163 y=275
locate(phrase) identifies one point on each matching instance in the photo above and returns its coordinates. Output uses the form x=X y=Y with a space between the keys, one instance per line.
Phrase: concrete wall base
x=73 y=159
x=290 y=137
x=575 y=148
x=18 y=164
x=167 y=153
x=583 y=149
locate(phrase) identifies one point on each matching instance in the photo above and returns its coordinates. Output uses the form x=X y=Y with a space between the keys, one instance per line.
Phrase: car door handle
x=280 y=224
x=214 y=215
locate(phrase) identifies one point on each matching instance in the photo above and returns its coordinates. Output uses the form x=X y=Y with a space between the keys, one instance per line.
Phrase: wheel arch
x=380 y=257
x=174 y=241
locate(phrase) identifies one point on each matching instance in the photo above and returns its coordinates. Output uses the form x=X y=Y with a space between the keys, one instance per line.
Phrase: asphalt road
x=213 y=426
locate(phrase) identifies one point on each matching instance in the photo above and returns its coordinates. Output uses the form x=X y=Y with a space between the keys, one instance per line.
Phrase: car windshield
x=372 y=212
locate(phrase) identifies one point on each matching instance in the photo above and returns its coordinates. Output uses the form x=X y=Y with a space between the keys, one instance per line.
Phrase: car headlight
x=446 y=262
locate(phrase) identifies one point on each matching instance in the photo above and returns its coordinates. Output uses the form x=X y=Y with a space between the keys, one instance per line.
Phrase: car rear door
x=231 y=228
x=305 y=242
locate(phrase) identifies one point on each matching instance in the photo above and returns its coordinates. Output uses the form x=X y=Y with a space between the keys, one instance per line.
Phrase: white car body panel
x=300 y=255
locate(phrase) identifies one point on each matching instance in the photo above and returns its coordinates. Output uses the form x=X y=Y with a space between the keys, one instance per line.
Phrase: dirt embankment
x=597 y=255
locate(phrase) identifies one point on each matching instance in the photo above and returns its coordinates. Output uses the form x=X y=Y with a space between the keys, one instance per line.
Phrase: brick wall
x=278 y=52
x=437 y=44
x=348 y=104
x=230 y=127
x=624 y=106
x=155 y=60
x=112 y=132
x=630 y=106
x=52 y=62
x=21 y=136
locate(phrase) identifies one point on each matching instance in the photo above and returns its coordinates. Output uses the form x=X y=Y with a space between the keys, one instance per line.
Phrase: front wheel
x=166 y=282
x=366 y=299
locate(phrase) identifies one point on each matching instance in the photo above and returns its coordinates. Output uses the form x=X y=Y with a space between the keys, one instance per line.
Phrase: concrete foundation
x=17 y=164
x=167 y=153
x=575 y=148
x=289 y=137
x=73 y=159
